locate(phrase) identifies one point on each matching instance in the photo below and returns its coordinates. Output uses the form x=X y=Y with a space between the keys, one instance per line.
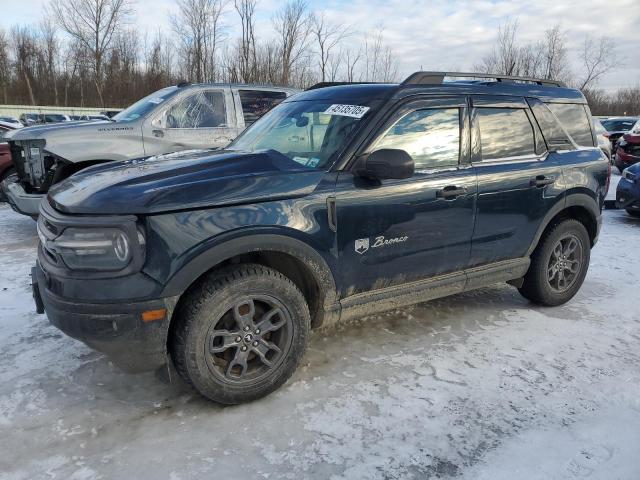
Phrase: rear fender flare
x=572 y=200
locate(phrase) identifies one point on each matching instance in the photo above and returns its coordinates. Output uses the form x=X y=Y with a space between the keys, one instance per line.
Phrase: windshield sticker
x=355 y=111
x=156 y=100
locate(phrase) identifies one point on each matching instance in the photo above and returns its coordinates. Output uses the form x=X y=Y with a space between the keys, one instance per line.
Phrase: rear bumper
x=116 y=330
x=21 y=201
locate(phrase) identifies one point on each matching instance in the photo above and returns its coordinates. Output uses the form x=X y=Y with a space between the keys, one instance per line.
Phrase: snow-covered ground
x=481 y=385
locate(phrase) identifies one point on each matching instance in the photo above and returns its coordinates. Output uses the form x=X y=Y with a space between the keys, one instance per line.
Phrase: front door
x=197 y=120
x=391 y=232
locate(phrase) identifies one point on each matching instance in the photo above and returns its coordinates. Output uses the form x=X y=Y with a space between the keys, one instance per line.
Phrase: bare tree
x=351 y=59
x=555 y=54
x=291 y=23
x=326 y=37
x=5 y=66
x=597 y=58
x=380 y=64
x=93 y=23
x=247 y=44
x=505 y=57
x=25 y=54
x=51 y=54
x=198 y=26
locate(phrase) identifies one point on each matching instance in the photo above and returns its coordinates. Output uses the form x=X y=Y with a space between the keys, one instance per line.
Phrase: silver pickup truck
x=176 y=118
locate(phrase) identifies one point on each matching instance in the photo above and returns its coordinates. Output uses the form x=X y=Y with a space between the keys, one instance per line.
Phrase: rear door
x=391 y=232
x=197 y=120
x=518 y=181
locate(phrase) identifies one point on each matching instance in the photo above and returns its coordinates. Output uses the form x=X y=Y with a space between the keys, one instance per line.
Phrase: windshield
x=144 y=106
x=309 y=132
x=618 y=125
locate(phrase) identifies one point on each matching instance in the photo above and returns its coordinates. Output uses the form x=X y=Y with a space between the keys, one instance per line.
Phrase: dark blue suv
x=342 y=201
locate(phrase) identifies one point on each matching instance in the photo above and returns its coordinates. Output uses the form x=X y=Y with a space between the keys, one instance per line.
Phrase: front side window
x=575 y=121
x=505 y=133
x=255 y=103
x=199 y=110
x=309 y=132
x=430 y=136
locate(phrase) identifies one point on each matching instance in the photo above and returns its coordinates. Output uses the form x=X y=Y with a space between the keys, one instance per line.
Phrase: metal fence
x=17 y=110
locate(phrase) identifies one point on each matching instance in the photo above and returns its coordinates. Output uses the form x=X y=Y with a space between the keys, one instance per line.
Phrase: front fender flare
x=209 y=258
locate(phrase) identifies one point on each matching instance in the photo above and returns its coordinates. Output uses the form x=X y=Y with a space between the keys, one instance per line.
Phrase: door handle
x=157 y=133
x=450 y=192
x=541 y=181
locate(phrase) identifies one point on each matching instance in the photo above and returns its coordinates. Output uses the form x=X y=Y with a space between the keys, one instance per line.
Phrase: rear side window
x=504 y=133
x=575 y=120
x=431 y=137
x=256 y=103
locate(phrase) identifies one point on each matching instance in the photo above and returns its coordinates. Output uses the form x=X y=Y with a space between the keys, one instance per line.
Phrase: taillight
x=606 y=135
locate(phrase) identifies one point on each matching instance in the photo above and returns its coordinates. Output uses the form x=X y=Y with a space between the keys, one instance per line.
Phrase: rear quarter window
x=256 y=103
x=575 y=120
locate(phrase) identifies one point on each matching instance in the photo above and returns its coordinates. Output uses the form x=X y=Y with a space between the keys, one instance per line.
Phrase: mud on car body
x=341 y=201
x=187 y=116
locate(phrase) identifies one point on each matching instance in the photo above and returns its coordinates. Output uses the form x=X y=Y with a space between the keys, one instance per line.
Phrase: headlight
x=94 y=248
x=629 y=176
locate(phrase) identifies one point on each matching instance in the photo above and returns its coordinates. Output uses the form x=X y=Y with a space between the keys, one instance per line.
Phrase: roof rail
x=336 y=84
x=436 y=78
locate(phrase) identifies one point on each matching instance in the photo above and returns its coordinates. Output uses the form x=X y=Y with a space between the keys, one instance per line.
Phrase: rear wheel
x=633 y=213
x=241 y=334
x=558 y=265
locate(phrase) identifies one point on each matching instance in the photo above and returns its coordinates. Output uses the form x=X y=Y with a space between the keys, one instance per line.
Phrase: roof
x=354 y=92
x=434 y=83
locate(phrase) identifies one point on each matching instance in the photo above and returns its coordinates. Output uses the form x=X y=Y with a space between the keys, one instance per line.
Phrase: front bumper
x=21 y=201
x=628 y=194
x=115 y=329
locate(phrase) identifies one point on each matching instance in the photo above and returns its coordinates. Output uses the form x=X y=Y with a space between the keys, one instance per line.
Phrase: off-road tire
x=537 y=287
x=208 y=302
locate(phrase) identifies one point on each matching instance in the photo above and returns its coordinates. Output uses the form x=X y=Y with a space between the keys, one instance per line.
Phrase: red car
x=628 y=151
x=6 y=164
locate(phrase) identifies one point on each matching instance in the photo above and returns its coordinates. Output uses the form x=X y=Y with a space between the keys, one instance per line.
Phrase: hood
x=183 y=181
x=41 y=131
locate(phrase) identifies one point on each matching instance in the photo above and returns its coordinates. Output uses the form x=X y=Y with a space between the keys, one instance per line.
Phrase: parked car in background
x=176 y=118
x=28 y=119
x=618 y=126
x=628 y=190
x=628 y=151
x=110 y=113
x=88 y=118
x=602 y=137
x=10 y=121
x=6 y=164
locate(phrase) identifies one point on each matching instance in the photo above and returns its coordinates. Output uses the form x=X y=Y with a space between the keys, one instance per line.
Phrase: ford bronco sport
x=175 y=118
x=341 y=201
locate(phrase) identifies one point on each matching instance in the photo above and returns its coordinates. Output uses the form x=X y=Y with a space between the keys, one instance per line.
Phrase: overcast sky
x=434 y=34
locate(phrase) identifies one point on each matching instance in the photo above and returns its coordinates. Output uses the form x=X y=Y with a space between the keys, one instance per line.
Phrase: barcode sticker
x=355 y=111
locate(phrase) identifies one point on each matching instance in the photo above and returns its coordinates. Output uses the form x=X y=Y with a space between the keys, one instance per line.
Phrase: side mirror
x=386 y=163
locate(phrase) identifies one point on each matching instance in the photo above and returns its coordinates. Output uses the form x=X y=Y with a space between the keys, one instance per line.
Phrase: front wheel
x=633 y=213
x=558 y=265
x=241 y=334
